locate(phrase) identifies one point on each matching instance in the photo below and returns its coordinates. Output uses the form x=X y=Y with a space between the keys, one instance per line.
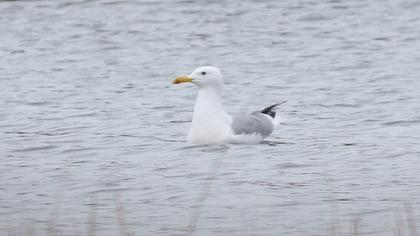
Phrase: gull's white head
x=203 y=77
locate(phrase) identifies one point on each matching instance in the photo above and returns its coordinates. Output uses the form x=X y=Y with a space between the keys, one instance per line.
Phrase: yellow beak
x=182 y=79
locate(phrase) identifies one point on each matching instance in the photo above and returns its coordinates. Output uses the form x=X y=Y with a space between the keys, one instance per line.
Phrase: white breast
x=210 y=123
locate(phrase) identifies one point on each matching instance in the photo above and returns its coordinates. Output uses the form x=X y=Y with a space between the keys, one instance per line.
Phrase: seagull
x=211 y=124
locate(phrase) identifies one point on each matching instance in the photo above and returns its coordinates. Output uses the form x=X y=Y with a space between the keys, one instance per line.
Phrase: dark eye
x=203 y=73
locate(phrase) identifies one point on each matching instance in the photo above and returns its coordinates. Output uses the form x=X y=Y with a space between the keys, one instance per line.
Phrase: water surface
x=93 y=133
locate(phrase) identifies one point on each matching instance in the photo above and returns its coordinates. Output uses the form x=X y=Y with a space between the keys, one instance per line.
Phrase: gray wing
x=254 y=123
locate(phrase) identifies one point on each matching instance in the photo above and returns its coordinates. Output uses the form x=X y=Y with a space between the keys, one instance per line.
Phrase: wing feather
x=252 y=124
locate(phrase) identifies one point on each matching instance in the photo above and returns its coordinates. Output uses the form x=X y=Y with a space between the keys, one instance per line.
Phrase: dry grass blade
x=410 y=219
x=203 y=196
x=398 y=230
x=51 y=229
x=355 y=225
x=92 y=216
x=335 y=223
x=120 y=214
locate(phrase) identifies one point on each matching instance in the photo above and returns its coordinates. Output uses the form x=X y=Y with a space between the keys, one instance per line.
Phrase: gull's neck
x=208 y=101
x=210 y=121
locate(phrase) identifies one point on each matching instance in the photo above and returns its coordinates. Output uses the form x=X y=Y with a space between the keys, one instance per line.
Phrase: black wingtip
x=271 y=110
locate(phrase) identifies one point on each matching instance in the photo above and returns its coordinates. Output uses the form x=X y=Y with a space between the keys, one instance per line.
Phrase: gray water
x=93 y=133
